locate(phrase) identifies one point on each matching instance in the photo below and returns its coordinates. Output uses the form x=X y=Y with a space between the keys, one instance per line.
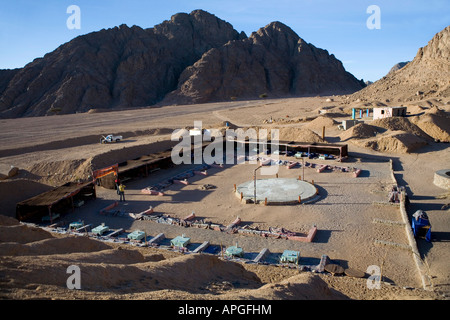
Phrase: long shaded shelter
x=56 y=201
x=137 y=168
x=338 y=150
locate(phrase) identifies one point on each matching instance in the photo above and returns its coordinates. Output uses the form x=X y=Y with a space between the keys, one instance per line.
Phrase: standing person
x=122 y=192
x=117 y=182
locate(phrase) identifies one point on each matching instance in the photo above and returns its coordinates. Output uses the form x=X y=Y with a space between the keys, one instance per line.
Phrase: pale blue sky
x=30 y=29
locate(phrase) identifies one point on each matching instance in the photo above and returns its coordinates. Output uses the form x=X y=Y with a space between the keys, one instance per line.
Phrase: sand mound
x=436 y=126
x=48 y=271
x=360 y=131
x=400 y=134
x=123 y=271
x=399 y=124
x=396 y=141
x=66 y=245
x=320 y=122
x=8 y=221
x=304 y=286
x=22 y=234
x=18 y=239
x=107 y=256
x=332 y=112
x=183 y=272
x=60 y=172
x=435 y=122
x=42 y=259
x=298 y=134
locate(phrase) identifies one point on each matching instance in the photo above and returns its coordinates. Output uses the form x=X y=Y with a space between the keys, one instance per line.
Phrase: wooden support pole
x=234 y=187
x=265 y=201
x=299 y=199
x=50 y=214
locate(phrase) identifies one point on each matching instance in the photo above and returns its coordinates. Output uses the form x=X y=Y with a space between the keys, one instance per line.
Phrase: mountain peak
x=275 y=29
x=437 y=48
x=427 y=74
x=127 y=67
x=279 y=26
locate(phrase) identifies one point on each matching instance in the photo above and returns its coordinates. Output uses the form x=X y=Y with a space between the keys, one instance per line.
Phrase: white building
x=387 y=112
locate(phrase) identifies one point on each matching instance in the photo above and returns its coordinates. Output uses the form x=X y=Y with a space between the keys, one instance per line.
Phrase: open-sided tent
x=56 y=201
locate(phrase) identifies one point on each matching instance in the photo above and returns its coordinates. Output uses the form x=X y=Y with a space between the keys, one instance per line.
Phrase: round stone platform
x=442 y=179
x=277 y=191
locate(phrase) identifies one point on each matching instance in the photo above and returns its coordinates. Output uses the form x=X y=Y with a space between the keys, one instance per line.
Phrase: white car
x=110 y=138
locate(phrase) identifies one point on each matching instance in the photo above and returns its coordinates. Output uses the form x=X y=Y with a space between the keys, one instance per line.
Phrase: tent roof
x=53 y=196
x=145 y=160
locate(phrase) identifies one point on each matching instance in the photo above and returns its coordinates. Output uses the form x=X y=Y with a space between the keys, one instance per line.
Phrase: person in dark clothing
x=117 y=182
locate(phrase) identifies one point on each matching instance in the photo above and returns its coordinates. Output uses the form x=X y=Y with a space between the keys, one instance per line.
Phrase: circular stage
x=277 y=191
x=442 y=179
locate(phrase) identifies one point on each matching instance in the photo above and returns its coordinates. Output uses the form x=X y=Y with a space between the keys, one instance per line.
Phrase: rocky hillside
x=397 y=67
x=425 y=77
x=119 y=67
x=273 y=61
x=198 y=56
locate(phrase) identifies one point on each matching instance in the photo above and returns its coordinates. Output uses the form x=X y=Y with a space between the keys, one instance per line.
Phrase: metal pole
x=254 y=182
x=303 y=166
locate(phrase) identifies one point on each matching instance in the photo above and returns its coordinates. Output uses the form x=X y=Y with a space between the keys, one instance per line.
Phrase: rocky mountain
x=425 y=77
x=114 y=68
x=194 y=57
x=398 y=66
x=273 y=61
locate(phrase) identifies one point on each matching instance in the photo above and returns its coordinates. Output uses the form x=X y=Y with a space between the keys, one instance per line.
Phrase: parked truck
x=110 y=138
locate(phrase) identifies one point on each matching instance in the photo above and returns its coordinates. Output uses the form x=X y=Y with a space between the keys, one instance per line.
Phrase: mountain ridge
x=272 y=61
x=131 y=67
x=426 y=76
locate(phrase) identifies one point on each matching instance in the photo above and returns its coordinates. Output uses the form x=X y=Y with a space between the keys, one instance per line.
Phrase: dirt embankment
x=80 y=140
x=34 y=258
x=35 y=262
x=435 y=123
x=401 y=134
x=14 y=191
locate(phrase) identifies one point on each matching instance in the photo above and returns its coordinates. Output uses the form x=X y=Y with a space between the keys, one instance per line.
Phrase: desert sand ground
x=52 y=150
